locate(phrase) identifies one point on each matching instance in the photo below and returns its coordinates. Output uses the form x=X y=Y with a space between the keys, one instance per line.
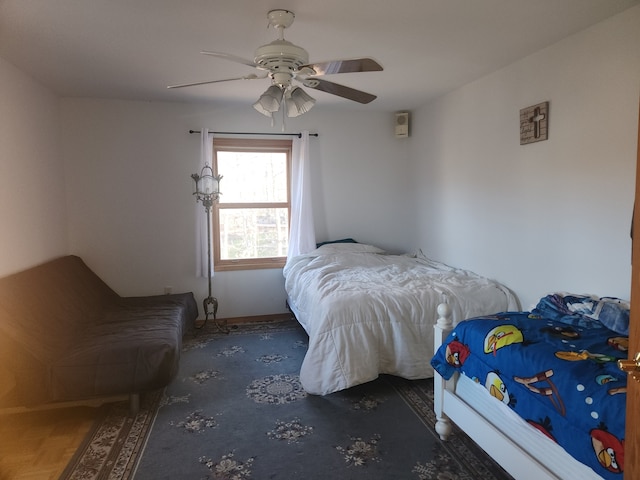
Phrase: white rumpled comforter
x=369 y=313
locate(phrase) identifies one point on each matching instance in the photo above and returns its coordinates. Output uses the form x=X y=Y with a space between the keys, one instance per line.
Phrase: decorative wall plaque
x=534 y=123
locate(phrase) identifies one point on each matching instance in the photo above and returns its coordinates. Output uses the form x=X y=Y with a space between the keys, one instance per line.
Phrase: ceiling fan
x=285 y=63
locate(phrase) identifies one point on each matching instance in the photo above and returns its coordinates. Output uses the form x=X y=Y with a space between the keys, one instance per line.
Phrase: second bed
x=369 y=313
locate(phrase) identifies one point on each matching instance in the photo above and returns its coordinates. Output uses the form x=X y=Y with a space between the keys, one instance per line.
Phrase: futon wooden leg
x=134 y=404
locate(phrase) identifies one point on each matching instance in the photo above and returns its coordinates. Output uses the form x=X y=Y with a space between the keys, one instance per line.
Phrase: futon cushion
x=138 y=353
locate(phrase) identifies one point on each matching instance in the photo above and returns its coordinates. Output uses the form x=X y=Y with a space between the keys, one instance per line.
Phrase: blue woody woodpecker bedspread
x=561 y=378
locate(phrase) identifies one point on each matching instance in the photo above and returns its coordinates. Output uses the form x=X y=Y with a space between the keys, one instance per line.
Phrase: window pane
x=253 y=177
x=253 y=233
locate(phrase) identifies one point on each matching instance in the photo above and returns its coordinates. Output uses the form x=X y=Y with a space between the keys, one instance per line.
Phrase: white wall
x=33 y=221
x=548 y=216
x=132 y=213
x=461 y=188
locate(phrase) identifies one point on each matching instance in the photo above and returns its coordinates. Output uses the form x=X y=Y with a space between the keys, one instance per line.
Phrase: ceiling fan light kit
x=269 y=101
x=285 y=63
x=298 y=102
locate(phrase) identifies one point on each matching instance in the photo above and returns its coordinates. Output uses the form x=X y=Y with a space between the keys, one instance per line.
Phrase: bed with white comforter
x=369 y=313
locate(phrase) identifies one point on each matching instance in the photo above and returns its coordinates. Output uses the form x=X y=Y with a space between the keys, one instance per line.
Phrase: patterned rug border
x=115 y=443
x=245 y=328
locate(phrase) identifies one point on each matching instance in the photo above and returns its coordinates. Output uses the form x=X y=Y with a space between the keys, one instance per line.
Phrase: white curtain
x=206 y=156
x=302 y=237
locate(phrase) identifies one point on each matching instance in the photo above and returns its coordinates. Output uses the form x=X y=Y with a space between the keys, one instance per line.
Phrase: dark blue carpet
x=237 y=411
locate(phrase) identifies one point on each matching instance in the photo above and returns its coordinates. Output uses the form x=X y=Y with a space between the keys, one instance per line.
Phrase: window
x=251 y=218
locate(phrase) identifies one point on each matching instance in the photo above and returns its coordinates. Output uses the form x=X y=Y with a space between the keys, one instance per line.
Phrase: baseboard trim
x=275 y=317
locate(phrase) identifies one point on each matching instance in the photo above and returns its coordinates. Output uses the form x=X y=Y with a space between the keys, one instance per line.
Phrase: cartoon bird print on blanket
x=457 y=353
x=608 y=449
x=498 y=389
x=572 y=356
x=548 y=389
x=497 y=338
x=502 y=336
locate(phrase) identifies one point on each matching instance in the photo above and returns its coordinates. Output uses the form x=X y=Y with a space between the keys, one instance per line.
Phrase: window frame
x=248 y=145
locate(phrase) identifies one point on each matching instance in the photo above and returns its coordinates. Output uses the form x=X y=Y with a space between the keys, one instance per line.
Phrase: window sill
x=228 y=266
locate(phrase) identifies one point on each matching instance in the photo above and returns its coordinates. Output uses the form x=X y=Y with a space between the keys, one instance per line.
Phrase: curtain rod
x=256 y=133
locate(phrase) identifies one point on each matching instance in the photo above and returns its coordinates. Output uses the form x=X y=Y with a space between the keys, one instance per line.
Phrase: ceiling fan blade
x=345 y=66
x=339 y=90
x=246 y=77
x=231 y=58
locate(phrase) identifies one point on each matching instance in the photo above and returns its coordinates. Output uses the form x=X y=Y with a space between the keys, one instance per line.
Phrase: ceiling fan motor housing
x=281 y=57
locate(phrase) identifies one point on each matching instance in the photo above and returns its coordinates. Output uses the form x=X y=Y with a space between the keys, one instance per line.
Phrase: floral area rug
x=237 y=411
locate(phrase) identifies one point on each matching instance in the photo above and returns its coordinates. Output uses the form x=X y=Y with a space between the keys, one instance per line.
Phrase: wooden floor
x=38 y=445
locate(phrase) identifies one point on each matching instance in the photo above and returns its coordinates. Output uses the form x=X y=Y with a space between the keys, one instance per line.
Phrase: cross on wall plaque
x=534 y=123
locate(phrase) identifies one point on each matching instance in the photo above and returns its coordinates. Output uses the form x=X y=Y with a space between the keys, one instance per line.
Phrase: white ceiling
x=133 y=49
